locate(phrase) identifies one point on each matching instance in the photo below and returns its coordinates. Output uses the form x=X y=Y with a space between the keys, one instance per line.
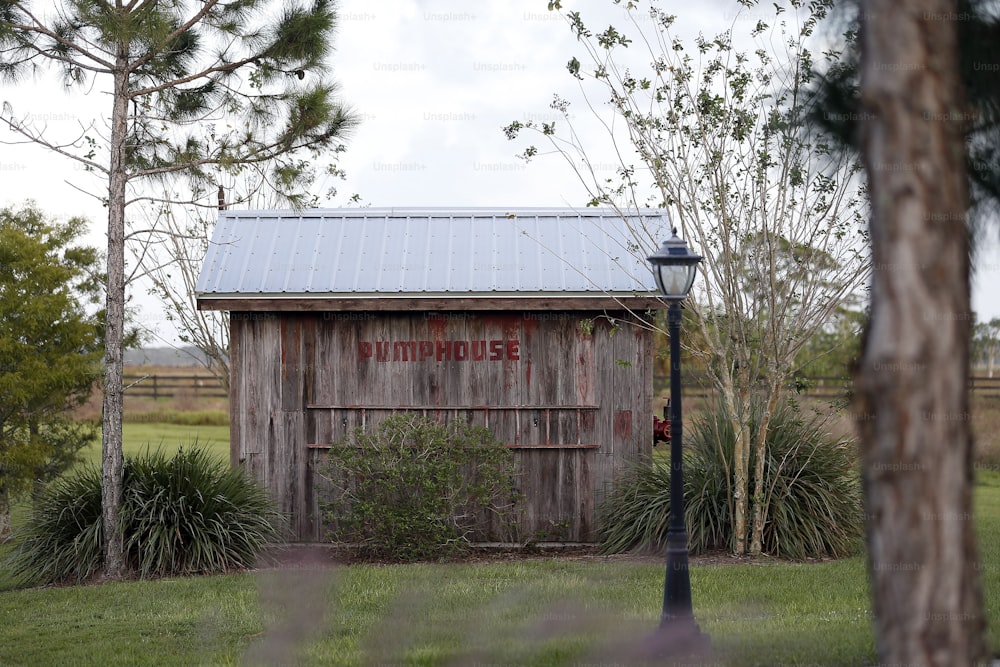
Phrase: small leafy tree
x=834 y=349
x=986 y=343
x=414 y=489
x=49 y=347
x=712 y=130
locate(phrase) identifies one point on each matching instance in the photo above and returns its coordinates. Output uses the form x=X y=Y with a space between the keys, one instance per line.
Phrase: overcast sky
x=433 y=82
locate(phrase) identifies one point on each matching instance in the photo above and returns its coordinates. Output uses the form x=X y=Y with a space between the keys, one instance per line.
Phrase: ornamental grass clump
x=811 y=480
x=413 y=489
x=189 y=513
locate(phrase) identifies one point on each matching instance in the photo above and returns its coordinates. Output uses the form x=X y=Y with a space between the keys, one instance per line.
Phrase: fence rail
x=206 y=386
x=820 y=387
x=155 y=386
x=985 y=385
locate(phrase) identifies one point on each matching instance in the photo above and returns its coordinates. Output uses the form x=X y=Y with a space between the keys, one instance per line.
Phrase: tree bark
x=113 y=406
x=912 y=381
x=741 y=465
x=761 y=500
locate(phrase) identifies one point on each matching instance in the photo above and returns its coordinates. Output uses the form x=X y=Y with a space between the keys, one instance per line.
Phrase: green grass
x=987 y=512
x=543 y=612
x=137 y=436
x=185 y=417
x=165 y=622
x=534 y=612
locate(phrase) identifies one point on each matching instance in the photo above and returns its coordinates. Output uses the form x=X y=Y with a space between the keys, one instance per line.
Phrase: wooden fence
x=143 y=385
x=818 y=387
x=984 y=386
x=206 y=386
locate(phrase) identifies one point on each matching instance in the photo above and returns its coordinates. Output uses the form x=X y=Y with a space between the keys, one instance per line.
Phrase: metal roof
x=415 y=252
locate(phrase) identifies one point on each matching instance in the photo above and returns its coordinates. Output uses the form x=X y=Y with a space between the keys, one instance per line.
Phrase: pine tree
x=193 y=86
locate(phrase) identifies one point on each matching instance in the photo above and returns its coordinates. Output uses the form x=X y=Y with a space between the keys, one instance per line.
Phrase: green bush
x=189 y=513
x=412 y=489
x=812 y=483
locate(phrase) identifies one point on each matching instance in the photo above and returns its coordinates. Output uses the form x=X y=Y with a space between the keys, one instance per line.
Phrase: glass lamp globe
x=674 y=268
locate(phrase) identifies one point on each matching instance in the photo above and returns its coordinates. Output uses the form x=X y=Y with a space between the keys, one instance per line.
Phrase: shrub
x=412 y=489
x=812 y=491
x=189 y=513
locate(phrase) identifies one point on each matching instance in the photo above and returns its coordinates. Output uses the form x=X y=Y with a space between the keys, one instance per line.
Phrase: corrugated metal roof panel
x=431 y=251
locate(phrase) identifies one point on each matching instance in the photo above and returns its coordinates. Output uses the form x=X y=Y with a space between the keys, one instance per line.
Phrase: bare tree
x=713 y=133
x=178 y=231
x=171 y=258
x=912 y=382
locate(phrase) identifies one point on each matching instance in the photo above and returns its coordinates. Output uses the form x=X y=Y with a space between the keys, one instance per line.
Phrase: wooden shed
x=527 y=321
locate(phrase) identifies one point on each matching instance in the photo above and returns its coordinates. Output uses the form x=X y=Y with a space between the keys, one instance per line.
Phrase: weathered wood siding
x=569 y=391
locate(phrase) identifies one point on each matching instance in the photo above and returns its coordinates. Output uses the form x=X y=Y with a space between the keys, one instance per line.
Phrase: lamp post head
x=674 y=267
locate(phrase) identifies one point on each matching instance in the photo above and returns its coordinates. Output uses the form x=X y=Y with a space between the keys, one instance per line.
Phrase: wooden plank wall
x=570 y=392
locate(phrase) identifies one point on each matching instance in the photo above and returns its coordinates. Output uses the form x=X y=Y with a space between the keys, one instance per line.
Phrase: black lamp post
x=675 y=267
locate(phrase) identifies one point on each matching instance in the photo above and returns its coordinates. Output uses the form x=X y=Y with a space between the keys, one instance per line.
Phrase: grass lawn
x=539 y=612
x=544 y=611
x=987 y=511
x=136 y=437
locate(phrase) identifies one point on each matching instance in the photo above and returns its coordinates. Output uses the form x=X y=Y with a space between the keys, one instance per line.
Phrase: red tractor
x=661 y=427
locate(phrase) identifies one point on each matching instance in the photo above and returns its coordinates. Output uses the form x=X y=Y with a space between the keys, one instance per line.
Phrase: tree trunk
x=741 y=487
x=912 y=381
x=111 y=441
x=741 y=481
x=760 y=497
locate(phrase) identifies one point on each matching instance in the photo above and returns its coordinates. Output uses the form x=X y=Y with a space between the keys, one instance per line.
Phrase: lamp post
x=675 y=268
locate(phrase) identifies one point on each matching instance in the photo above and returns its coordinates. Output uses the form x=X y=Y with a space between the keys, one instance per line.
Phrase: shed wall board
x=573 y=400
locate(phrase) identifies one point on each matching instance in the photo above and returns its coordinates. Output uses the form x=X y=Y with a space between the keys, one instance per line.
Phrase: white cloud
x=433 y=82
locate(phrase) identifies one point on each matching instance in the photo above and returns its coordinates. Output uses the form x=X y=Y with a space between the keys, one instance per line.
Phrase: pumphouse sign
x=439 y=350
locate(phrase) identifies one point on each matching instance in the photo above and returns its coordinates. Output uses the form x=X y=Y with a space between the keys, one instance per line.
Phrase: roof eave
x=423 y=302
